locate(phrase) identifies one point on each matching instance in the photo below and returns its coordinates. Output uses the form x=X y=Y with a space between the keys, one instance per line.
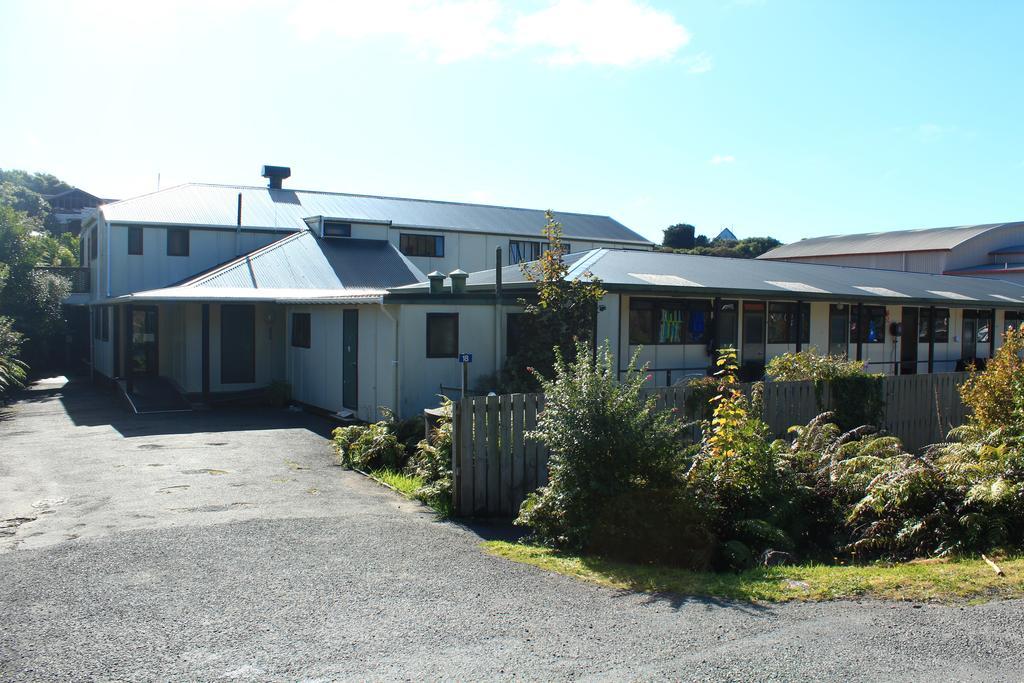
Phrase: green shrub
x=856 y=395
x=609 y=450
x=432 y=463
x=995 y=396
x=369 y=447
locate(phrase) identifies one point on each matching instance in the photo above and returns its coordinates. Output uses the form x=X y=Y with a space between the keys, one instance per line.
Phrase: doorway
x=908 y=342
x=350 y=359
x=145 y=349
x=753 y=339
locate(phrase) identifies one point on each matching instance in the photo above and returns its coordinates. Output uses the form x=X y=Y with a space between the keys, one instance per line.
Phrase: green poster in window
x=671 y=326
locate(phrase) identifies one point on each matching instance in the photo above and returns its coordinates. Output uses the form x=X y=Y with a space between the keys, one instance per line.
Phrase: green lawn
x=923 y=580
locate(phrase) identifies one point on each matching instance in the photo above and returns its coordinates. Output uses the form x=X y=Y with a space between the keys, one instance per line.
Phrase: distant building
x=70 y=206
x=726 y=236
x=993 y=250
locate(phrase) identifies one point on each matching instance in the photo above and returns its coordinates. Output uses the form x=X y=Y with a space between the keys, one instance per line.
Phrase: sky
x=782 y=118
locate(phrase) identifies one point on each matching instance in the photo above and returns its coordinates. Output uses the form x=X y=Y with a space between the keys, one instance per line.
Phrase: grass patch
x=403 y=483
x=958 y=580
x=411 y=487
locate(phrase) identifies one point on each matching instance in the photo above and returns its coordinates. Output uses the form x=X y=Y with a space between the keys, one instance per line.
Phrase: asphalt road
x=226 y=546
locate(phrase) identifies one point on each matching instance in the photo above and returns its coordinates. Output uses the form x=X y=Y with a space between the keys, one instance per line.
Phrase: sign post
x=465 y=359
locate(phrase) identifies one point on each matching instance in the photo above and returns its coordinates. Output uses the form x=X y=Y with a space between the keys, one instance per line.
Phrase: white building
x=212 y=290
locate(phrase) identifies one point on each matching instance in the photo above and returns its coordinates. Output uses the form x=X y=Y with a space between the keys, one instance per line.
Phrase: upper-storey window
x=520 y=251
x=421 y=245
x=135 y=241
x=337 y=229
x=177 y=242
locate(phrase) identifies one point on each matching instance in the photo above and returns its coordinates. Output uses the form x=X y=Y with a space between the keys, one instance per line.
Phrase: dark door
x=839 y=330
x=350 y=359
x=908 y=342
x=753 y=339
x=145 y=350
x=970 y=336
x=237 y=344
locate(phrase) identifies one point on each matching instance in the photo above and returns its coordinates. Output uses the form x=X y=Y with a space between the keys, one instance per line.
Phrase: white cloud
x=699 y=63
x=603 y=32
x=614 y=32
x=720 y=159
x=447 y=31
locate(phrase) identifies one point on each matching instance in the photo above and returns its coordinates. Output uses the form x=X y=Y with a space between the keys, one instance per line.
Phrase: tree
x=564 y=312
x=679 y=236
x=749 y=247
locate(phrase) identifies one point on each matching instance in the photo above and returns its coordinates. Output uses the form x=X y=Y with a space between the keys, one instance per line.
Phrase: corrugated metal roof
x=988 y=269
x=305 y=261
x=927 y=239
x=270 y=295
x=199 y=204
x=710 y=276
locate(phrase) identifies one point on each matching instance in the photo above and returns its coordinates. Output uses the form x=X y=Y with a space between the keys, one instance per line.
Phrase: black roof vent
x=275 y=175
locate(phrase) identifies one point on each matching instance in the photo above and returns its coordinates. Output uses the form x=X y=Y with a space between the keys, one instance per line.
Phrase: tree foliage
x=749 y=247
x=563 y=313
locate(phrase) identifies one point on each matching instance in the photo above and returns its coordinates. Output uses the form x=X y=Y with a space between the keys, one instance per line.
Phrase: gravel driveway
x=225 y=546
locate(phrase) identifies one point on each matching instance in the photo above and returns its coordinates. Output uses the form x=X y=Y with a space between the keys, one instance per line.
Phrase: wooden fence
x=495 y=466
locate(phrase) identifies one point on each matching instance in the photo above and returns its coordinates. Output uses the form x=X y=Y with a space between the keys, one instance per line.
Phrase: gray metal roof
x=659 y=272
x=988 y=269
x=927 y=239
x=305 y=261
x=217 y=205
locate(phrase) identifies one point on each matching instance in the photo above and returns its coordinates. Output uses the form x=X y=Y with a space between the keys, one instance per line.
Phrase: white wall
x=316 y=374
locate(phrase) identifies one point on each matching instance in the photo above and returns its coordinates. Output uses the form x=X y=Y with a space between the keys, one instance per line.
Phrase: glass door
x=145 y=355
x=753 y=339
x=839 y=330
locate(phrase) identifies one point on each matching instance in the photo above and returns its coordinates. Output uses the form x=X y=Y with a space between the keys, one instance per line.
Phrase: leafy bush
x=432 y=463
x=612 y=466
x=995 y=396
x=856 y=394
x=368 y=447
x=12 y=370
x=810 y=365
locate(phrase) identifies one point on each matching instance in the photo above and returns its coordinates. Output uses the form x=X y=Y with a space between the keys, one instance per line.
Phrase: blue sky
x=789 y=119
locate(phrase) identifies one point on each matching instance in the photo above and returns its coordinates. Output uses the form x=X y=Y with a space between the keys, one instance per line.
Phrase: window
x=566 y=248
x=520 y=251
x=421 y=245
x=301 y=330
x=874 y=325
x=941 y=325
x=135 y=241
x=105 y=323
x=442 y=335
x=1012 y=319
x=337 y=229
x=977 y=325
x=782 y=322
x=727 y=325
x=668 y=321
x=93 y=245
x=177 y=242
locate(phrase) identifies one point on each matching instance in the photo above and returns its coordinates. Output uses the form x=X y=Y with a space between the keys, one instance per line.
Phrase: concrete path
x=226 y=546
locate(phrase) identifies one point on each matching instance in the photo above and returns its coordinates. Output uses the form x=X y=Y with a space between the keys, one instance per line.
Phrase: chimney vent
x=458 y=277
x=436 y=282
x=275 y=175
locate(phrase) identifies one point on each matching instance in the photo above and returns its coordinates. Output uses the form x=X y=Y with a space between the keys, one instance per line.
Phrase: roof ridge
x=401 y=199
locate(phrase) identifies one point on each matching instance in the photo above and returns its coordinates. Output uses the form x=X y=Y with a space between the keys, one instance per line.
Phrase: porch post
x=931 y=339
x=992 y=336
x=860 y=331
x=129 y=345
x=206 y=352
x=799 y=326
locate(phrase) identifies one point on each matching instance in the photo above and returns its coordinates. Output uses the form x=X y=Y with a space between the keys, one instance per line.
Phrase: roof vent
x=459 y=278
x=275 y=175
x=436 y=282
